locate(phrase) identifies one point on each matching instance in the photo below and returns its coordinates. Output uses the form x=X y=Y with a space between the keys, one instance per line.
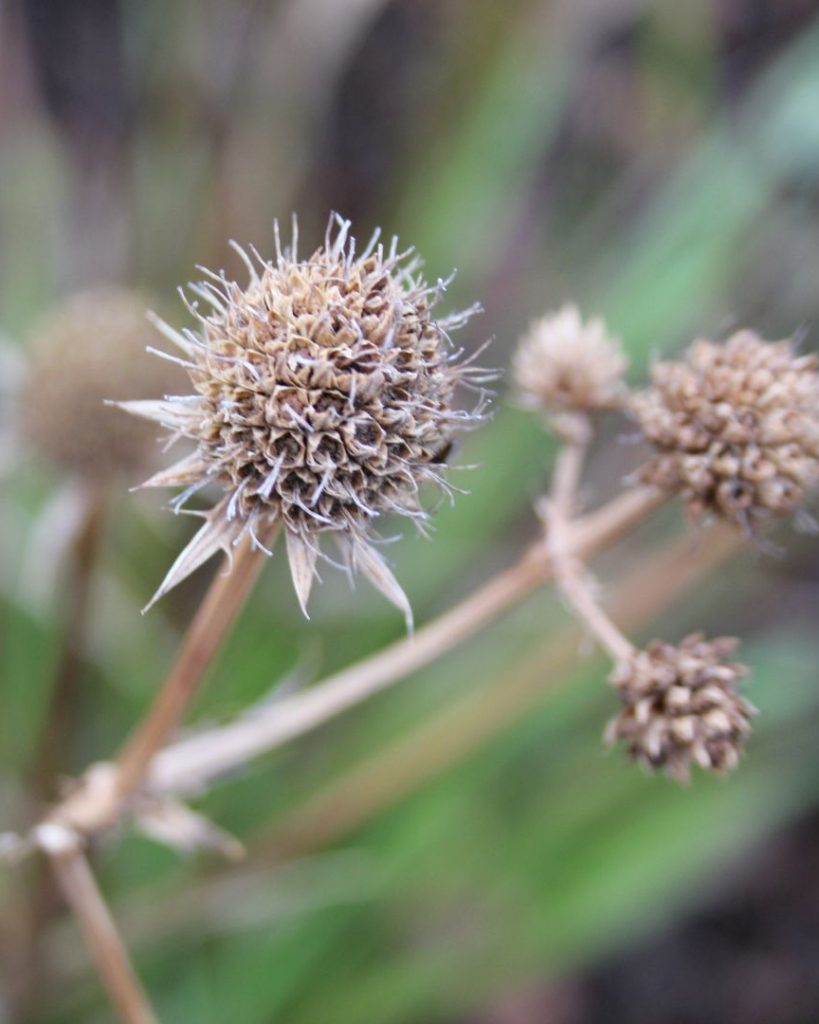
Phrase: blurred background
x=458 y=850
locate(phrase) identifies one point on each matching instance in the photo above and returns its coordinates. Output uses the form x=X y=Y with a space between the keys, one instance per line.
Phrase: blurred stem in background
x=51 y=759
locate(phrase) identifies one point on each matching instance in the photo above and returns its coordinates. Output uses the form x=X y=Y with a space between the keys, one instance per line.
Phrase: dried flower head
x=322 y=400
x=680 y=706
x=564 y=365
x=736 y=427
x=90 y=350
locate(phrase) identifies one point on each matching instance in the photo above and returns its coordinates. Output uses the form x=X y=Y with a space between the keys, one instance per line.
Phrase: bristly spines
x=323 y=396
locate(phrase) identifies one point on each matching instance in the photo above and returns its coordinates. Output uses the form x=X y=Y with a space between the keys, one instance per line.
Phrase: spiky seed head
x=735 y=427
x=86 y=352
x=322 y=400
x=681 y=706
x=564 y=364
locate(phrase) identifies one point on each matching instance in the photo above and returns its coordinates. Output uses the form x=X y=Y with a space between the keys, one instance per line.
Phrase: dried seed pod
x=735 y=426
x=322 y=399
x=565 y=365
x=681 y=706
x=87 y=351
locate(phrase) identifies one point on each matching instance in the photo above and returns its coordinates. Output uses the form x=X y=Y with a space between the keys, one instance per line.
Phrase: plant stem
x=79 y=887
x=474 y=719
x=575 y=429
x=211 y=625
x=570 y=574
x=189 y=764
x=49 y=758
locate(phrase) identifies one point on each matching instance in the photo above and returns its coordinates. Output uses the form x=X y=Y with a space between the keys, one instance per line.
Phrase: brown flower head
x=564 y=365
x=736 y=427
x=90 y=350
x=322 y=399
x=680 y=706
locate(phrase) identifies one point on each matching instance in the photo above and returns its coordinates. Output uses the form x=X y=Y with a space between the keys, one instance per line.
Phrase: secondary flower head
x=680 y=706
x=565 y=365
x=735 y=427
x=322 y=399
x=87 y=351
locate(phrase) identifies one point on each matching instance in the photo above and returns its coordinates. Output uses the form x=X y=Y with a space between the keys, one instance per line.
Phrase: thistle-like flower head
x=681 y=706
x=565 y=365
x=88 y=350
x=735 y=427
x=322 y=400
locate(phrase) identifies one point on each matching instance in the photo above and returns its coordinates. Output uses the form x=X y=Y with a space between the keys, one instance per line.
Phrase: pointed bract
x=217 y=534
x=302 y=558
x=187 y=471
x=367 y=560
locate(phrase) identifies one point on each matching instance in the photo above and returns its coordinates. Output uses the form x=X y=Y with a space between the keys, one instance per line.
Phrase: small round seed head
x=681 y=706
x=323 y=399
x=735 y=427
x=565 y=365
x=89 y=350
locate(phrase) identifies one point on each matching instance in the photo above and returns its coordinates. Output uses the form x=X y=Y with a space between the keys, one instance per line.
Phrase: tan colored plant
x=322 y=400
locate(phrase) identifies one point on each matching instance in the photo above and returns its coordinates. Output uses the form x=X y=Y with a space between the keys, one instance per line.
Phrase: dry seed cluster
x=90 y=349
x=563 y=364
x=681 y=706
x=322 y=399
x=735 y=426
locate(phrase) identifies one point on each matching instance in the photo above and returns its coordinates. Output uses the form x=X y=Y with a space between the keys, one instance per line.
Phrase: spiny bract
x=681 y=706
x=735 y=426
x=323 y=400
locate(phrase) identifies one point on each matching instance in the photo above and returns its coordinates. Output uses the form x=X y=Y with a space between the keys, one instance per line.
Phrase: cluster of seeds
x=735 y=427
x=681 y=706
x=565 y=365
x=323 y=399
x=88 y=350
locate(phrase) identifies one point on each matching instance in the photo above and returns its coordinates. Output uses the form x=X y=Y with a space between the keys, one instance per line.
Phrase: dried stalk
x=79 y=887
x=570 y=574
x=42 y=901
x=211 y=625
x=190 y=764
x=476 y=718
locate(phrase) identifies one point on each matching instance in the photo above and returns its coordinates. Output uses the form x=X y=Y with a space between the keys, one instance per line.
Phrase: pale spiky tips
x=681 y=706
x=566 y=364
x=87 y=351
x=323 y=398
x=218 y=533
x=735 y=427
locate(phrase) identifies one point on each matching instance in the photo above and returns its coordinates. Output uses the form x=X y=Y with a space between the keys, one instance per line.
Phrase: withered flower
x=322 y=400
x=87 y=351
x=735 y=427
x=565 y=365
x=681 y=706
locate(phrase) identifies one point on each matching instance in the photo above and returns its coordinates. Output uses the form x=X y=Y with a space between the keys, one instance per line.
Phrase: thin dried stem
x=211 y=625
x=575 y=430
x=79 y=888
x=475 y=718
x=578 y=588
x=42 y=900
x=190 y=764
x=571 y=577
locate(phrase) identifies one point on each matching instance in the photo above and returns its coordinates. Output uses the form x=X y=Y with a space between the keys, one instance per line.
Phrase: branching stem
x=570 y=575
x=211 y=625
x=190 y=764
